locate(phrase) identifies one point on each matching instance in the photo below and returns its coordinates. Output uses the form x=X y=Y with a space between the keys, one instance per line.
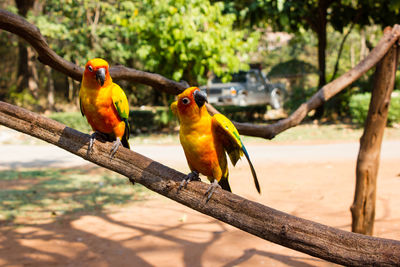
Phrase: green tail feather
x=253 y=172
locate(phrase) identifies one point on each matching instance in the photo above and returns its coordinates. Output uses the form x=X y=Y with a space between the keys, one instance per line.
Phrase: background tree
x=316 y=15
x=27 y=72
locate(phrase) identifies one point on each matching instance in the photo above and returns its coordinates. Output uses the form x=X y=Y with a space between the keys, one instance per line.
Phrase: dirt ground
x=313 y=181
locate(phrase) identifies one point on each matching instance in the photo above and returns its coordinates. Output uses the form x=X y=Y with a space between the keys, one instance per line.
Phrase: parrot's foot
x=115 y=147
x=193 y=176
x=92 y=138
x=210 y=191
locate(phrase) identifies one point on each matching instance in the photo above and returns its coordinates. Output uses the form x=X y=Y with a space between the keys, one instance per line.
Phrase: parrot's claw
x=193 y=176
x=91 y=140
x=115 y=147
x=210 y=191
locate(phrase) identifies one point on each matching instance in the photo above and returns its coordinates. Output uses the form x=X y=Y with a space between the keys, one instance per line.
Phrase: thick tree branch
x=315 y=239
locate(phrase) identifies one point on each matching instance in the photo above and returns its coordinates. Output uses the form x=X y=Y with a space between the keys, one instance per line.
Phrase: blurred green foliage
x=178 y=39
x=152 y=119
x=243 y=114
x=73 y=120
x=297 y=96
x=359 y=105
x=141 y=120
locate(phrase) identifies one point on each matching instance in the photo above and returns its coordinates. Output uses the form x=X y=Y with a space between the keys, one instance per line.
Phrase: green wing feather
x=229 y=137
x=121 y=104
x=233 y=145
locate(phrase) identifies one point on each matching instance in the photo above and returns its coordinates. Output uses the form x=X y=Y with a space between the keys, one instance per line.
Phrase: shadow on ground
x=58 y=217
x=63 y=243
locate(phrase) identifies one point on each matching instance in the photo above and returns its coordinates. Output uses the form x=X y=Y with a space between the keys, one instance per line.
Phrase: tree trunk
x=32 y=73
x=352 y=55
x=321 y=53
x=363 y=207
x=50 y=89
x=320 y=29
x=25 y=65
x=71 y=91
x=363 y=45
x=22 y=81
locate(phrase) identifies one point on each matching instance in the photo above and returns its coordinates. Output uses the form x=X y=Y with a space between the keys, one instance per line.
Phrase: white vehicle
x=247 y=88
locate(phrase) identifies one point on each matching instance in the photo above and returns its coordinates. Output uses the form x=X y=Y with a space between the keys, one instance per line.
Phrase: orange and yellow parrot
x=104 y=104
x=205 y=139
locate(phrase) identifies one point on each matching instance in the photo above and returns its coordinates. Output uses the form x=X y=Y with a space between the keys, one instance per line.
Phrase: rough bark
x=363 y=207
x=315 y=239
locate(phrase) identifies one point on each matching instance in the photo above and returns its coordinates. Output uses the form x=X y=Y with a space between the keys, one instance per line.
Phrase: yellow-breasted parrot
x=104 y=104
x=206 y=138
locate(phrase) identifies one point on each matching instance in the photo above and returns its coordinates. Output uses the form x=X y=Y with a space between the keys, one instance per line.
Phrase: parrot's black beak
x=200 y=98
x=101 y=75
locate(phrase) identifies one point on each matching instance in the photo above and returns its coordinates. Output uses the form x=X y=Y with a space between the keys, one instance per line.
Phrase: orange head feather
x=190 y=105
x=96 y=74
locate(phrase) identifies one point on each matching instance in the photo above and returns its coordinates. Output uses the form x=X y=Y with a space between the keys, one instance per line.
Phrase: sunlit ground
x=90 y=216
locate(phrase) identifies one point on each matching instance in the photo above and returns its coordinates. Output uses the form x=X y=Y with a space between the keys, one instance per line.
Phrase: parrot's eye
x=185 y=100
x=90 y=68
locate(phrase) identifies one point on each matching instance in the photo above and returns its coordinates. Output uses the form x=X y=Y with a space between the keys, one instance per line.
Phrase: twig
x=335 y=70
x=315 y=239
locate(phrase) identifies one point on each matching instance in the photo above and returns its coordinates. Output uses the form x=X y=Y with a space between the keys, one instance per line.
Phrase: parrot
x=105 y=105
x=206 y=139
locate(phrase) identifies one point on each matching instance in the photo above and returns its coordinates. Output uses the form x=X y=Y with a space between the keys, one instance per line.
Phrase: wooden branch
x=325 y=93
x=315 y=239
x=19 y=26
x=363 y=207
